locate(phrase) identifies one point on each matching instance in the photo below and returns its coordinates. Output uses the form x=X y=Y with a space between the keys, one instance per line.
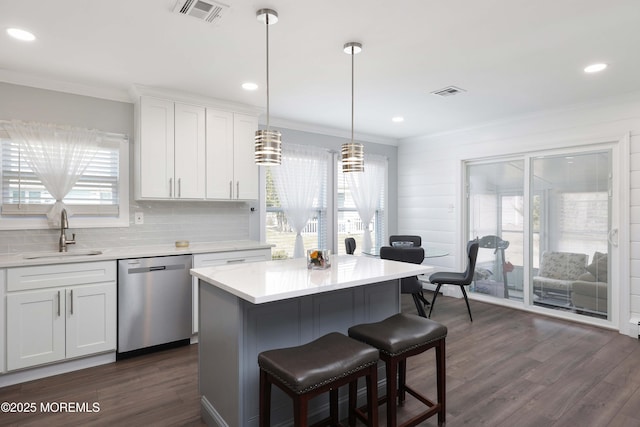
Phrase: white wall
x=429 y=177
x=164 y=222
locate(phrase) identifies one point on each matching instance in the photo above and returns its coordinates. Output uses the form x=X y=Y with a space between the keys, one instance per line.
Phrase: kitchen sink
x=39 y=255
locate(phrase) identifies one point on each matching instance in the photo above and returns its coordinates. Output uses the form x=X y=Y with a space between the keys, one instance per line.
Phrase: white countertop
x=261 y=282
x=19 y=260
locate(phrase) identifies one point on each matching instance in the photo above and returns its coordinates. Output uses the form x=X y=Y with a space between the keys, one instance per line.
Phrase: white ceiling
x=514 y=57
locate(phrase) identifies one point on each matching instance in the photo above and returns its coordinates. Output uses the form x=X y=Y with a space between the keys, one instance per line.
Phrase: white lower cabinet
x=222 y=258
x=60 y=322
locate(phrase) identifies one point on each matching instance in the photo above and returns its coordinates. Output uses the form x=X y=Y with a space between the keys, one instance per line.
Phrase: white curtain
x=58 y=156
x=297 y=181
x=366 y=188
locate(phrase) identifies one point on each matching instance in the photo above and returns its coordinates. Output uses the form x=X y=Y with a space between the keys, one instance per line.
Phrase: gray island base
x=250 y=308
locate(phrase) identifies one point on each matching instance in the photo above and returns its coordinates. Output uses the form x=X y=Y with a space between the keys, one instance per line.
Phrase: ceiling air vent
x=448 y=91
x=207 y=10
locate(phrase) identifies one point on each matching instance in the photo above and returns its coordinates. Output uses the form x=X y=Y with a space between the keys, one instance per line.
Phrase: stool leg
x=300 y=411
x=265 y=400
x=441 y=381
x=333 y=407
x=392 y=391
x=353 y=401
x=372 y=396
x=402 y=381
x=433 y=301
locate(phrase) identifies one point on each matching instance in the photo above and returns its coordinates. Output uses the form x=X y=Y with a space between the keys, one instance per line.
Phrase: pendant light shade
x=268 y=145
x=352 y=152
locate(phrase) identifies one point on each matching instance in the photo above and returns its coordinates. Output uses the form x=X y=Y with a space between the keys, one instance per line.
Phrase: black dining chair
x=461 y=279
x=408 y=285
x=416 y=240
x=350 y=245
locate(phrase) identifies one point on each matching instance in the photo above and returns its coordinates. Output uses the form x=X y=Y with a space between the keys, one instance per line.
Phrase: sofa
x=590 y=291
x=557 y=272
x=567 y=276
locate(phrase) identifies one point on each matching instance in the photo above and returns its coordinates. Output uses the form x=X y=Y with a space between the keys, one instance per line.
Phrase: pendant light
x=268 y=147
x=352 y=152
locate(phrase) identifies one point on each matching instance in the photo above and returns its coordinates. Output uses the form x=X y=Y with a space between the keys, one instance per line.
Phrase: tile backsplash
x=164 y=223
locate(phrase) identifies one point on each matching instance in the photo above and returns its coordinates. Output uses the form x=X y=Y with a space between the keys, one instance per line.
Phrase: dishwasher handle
x=138 y=270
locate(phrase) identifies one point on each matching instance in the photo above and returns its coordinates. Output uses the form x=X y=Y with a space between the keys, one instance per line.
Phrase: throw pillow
x=599 y=266
x=587 y=277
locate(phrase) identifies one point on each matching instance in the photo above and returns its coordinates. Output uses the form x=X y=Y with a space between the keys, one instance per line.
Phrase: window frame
x=37 y=220
x=379 y=236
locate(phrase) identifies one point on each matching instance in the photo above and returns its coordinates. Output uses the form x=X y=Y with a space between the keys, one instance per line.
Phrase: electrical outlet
x=139 y=218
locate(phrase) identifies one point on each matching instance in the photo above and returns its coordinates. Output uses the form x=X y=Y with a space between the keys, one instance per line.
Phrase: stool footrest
x=433 y=409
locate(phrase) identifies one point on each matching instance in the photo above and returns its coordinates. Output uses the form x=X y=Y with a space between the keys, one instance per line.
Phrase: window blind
x=95 y=193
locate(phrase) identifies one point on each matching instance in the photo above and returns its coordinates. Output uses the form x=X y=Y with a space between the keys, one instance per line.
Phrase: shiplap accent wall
x=430 y=176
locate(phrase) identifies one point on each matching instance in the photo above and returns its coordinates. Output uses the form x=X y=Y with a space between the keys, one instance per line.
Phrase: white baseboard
x=36 y=373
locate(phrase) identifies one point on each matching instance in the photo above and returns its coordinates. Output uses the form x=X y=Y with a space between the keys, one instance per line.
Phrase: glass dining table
x=429 y=252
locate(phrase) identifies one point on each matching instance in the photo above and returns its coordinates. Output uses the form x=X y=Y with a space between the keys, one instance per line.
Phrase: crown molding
x=138 y=90
x=612 y=101
x=48 y=83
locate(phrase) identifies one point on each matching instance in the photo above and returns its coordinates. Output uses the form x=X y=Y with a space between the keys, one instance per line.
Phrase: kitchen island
x=249 y=308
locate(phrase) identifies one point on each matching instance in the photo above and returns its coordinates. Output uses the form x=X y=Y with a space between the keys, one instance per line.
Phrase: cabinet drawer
x=50 y=276
x=222 y=258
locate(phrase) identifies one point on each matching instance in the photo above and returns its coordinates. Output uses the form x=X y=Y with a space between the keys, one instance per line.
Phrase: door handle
x=235 y=261
x=231 y=189
x=612 y=237
x=237 y=189
x=58 y=303
x=179 y=187
x=170 y=187
x=71 y=301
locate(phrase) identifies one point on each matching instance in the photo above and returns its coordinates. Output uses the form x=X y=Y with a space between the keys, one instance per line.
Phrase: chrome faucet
x=64 y=225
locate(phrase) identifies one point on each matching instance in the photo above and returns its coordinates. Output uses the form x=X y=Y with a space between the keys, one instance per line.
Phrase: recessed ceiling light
x=594 y=68
x=19 y=34
x=249 y=86
x=397 y=119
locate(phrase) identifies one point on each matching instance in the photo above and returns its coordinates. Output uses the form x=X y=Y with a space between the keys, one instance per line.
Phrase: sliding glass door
x=551 y=250
x=571 y=218
x=496 y=218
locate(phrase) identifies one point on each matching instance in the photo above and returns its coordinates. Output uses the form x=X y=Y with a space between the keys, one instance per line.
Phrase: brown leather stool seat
x=325 y=364
x=399 y=337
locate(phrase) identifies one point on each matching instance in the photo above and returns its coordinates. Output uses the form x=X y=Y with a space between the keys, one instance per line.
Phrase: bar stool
x=398 y=338
x=325 y=364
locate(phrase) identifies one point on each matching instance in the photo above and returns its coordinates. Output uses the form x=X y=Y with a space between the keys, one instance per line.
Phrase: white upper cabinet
x=189 y=178
x=231 y=171
x=188 y=151
x=245 y=170
x=170 y=153
x=219 y=154
x=154 y=154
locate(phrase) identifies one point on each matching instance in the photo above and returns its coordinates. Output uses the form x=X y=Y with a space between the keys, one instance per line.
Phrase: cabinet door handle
x=231 y=189
x=237 y=189
x=71 y=301
x=235 y=261
x=179 y=187
x=58 y=303
x=170 y=187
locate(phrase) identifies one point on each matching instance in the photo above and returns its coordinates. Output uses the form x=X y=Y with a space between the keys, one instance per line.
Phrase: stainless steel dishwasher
x=154 y=302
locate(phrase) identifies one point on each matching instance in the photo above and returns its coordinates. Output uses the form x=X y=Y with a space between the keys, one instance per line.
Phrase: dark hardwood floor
x=507 y=368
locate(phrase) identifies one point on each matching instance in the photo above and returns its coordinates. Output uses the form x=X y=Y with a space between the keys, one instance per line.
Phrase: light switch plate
x=139 y=218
